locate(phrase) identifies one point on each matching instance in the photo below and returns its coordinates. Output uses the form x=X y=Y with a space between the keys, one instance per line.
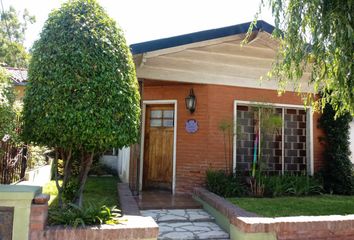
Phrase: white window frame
x=309 y=131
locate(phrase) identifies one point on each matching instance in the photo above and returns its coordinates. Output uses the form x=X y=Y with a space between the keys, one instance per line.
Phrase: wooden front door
x=158 y=146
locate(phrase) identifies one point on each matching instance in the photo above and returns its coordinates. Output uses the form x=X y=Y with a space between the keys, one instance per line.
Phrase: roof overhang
x=201 y=36
x=216 y=56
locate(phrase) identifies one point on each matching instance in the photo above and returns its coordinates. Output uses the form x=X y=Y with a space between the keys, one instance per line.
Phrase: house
x=220 y=82
x=180 y=142
x=19 y=79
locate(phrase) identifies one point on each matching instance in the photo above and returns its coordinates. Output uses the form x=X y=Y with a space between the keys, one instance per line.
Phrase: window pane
x=156 y=114
x=242 y=108
x=168 y=122
x=168 y=113
x=155 y=123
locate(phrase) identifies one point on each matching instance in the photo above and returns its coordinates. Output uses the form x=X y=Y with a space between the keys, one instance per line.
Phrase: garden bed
x=244 y=225
x=297 y=206
x=129 y=227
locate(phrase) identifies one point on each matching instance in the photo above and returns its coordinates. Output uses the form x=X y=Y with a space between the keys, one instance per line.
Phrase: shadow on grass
x=100 y=190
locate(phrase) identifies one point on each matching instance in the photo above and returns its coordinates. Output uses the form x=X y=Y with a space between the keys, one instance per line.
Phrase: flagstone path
x=185 y=224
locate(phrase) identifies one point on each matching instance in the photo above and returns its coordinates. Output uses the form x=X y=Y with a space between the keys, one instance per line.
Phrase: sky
x=144 y=20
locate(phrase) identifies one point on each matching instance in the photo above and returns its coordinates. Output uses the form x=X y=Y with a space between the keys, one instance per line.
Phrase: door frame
x=142 y=140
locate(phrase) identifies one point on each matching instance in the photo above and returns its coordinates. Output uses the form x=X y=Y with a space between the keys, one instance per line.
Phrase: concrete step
x=186 y=224
x=191 y=231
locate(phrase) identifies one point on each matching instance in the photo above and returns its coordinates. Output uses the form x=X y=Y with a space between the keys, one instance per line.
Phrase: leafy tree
x=316 y=35
x=12 y=35
x=338 y=169
x=82 y=95
x=7 y=99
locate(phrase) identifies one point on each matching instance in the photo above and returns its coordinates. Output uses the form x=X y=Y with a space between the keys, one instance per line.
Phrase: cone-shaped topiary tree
x=338 y=167
x=83 y=93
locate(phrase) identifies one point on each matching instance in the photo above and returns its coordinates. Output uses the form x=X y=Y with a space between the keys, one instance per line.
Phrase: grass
x=101 y=190
x=297 y=206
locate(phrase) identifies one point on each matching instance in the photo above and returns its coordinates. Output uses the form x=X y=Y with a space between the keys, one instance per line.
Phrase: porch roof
x=170 y=42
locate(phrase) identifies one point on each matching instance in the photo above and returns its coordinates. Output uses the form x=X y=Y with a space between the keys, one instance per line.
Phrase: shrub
x=235 y=185
x=225 y=185
x=337 y=173
x=92 y=214
x=287 y=185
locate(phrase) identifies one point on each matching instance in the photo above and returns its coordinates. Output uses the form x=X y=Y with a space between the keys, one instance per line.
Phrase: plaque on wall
x=6 y=222
x=191 y=126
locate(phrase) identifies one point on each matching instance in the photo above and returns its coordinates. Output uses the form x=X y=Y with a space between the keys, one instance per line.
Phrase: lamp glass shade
x=191 y=101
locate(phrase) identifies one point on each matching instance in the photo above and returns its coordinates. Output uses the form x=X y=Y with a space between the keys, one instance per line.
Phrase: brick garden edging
x=134 y=228
x=132 y=225
x=246 y=225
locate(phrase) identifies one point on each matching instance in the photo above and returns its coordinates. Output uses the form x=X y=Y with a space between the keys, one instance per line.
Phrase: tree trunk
x=86 y=162
x=225 y=153
x=56 y=177
x=231 y=170
x=67 y=166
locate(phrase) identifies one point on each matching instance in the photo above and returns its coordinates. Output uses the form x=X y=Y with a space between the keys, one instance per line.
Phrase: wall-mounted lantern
x=191 y=101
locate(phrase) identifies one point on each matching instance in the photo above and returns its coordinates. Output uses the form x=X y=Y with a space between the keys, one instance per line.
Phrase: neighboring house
x=178 y=145
x=19 y=78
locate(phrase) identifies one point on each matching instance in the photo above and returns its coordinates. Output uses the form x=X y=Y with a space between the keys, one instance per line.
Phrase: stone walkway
x=186 y=224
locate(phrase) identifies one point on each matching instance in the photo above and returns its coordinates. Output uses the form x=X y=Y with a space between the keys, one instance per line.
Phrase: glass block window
x=245 y=138
x=281 y=138
x=295 y=140
x=271 y=140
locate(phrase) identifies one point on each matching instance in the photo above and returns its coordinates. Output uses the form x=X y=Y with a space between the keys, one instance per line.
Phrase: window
x=281 y=135
x=161 y=118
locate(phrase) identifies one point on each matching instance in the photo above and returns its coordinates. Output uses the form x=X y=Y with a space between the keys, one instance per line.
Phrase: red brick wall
x=38 y=218
x=192 y=149
x=205 y=148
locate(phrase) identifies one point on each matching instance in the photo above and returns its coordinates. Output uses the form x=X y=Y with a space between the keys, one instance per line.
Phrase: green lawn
x=101 y=190
x=297 y=206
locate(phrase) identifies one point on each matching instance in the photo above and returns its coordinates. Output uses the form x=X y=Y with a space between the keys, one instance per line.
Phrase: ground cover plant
x=99 y=206
x=297 y=206
x=225 y=184
x=290 y=185
x=90 y=214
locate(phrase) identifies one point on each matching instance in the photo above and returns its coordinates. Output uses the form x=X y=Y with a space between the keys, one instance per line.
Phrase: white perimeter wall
x=123 y=164
x=119 y=162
